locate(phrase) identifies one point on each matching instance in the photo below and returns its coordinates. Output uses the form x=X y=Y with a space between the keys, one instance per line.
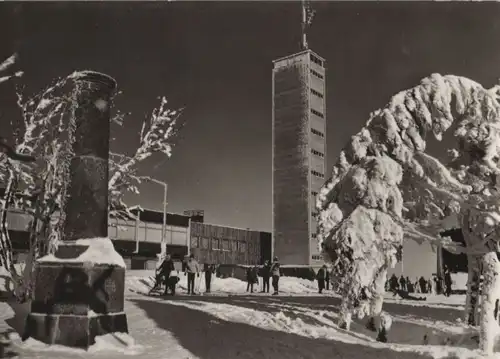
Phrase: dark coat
x=266 y=271
x=167 y=267
x=321 y=275
x=252 y=276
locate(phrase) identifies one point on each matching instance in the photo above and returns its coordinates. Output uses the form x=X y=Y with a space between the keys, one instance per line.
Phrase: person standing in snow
x=447 y=282
x=275 y=272
x=394 y=284
x=432 y=285
x=417 y=286
x=327 y=278
x=423 y=285
x=166 y=267
x=402 y=282
x=252 y=278
x=320 y=276
x=209 y=271
x=266 y=274
x=409 y=285
x=192 y=270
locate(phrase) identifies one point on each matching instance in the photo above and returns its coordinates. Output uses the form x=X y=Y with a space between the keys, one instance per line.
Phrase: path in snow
x=300 y=325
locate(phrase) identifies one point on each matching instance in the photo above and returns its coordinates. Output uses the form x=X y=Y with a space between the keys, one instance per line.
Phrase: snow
x=110 y=343
x=149 y=340
x=101 y=104
x=99 y=251
x=141 y=282
x=8 y=62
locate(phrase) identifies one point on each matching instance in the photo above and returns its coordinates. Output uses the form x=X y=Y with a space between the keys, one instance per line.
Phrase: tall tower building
x=299 y=154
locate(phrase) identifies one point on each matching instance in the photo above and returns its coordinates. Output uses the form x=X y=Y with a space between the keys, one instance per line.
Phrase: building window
x=314 y=193
x=234 y=246
x=317 y=113
x=317 y=258
x=317 y=174
x=225 y=244
x=316 y=60
x=205 y=242
x=317 y=153
x=317 y=74
x=194 y=242
x=215 y=244
x=313 y=235
x=242 y=247
x=317 y=133
x=316 y=93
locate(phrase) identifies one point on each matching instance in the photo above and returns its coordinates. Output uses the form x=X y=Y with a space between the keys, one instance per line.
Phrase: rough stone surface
x=87 y=205
x=86 y=208
x=70 y=251
x=73 y=288
x=74 y=330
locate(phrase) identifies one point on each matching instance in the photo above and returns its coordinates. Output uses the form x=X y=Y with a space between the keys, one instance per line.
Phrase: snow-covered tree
x=386 y=187
x=38 y=187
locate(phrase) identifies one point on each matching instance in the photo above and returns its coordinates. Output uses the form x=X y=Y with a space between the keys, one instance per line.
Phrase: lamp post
x=164 y=224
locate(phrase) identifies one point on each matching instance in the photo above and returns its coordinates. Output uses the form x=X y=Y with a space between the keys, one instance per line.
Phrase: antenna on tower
x=307 y=17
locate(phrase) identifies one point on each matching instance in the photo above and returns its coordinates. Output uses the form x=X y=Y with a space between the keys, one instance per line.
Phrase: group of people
x=435 y=285
x=192 y=268
x=270 y=272
x=267 y=271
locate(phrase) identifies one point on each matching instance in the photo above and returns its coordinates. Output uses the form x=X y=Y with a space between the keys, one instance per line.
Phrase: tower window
x=317 y=153
x=316 y=93
x=316 y=60
x=317 y=174
x=317 y=74
x=317 y=113
x=317 y=133
x=314 y=193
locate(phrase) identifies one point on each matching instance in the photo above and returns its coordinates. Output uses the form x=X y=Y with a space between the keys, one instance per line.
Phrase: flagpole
x=304 y=24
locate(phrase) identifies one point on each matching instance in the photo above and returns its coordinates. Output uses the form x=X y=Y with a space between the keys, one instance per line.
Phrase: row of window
x=314 y=193
x=313 y=235
x=316 y=60
x=316 y=257
x=317 y=133
x=317 y=74
x=317 y=113
x=316 y=93
x=317 y=153
x=317 y=174
x=218 y=244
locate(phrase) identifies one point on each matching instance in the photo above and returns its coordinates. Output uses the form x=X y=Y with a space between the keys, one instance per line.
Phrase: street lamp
x=164 y=224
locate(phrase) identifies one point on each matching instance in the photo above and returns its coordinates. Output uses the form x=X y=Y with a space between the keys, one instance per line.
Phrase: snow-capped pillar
x=79 y=291
x=87 y=202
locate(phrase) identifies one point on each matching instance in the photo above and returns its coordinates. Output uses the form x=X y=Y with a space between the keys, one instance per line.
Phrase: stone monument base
x=75 y=298
x=72 y=330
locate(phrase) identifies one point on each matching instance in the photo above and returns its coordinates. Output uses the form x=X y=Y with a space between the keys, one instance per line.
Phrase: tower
x=299 y=151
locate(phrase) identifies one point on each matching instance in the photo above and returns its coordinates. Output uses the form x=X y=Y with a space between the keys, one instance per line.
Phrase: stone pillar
x=79 y=291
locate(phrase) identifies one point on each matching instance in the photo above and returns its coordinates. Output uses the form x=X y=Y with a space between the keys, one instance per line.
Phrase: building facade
x=140 y=241
x=225 y=245
x=299 y=155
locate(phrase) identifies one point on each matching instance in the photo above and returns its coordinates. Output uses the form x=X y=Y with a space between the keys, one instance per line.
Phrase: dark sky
x=216 y=60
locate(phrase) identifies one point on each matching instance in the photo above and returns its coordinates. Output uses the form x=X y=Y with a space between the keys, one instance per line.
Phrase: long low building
x=139 y=241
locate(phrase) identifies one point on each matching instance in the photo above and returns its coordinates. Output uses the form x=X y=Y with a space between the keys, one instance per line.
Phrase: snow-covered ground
x=297 y=324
